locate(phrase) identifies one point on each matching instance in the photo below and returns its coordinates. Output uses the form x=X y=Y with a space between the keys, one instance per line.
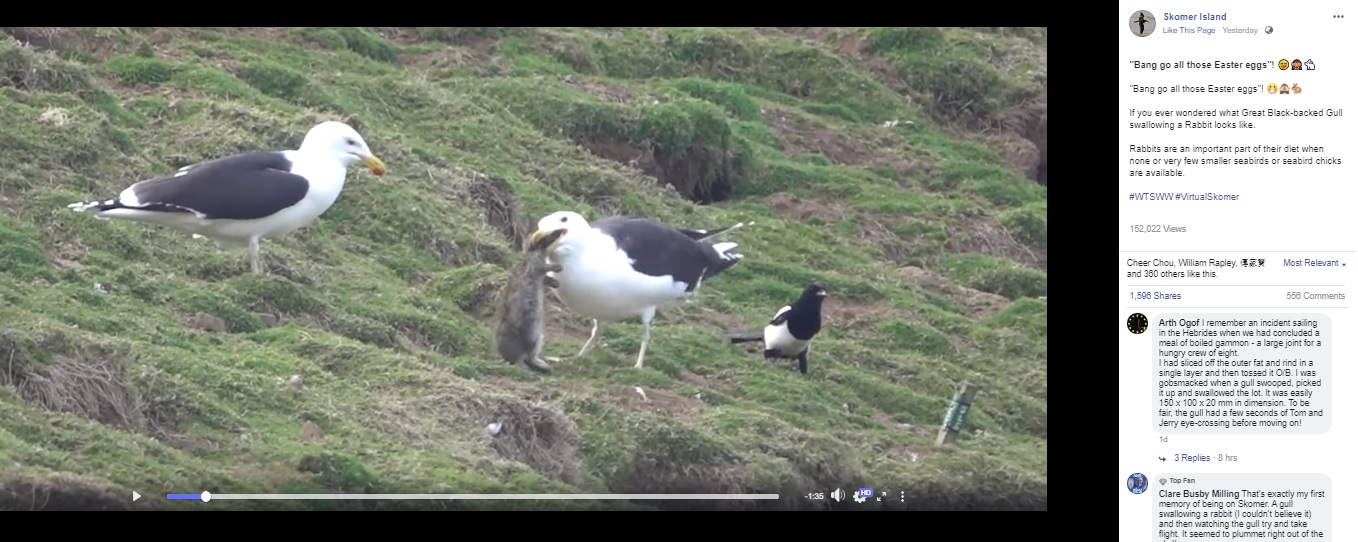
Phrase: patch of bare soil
x=602 y=91
x=985 y=234
x=855 y=315
x=712 y=382
x=976 y=304
x=445 y=60
x=1016 y=152
x=879 y=229
x=792 y=207
x=276 y=33
x=536 y=392
x=657 y=401
x=873 y=229
x=800 y=136
x=1021 y=139
x=682 y=170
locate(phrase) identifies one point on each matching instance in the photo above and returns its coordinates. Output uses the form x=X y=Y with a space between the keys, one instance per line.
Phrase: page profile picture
x=1141 y=23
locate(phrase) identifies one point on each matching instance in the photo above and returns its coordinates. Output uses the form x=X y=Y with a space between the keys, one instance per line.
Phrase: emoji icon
x=1142 y=24
x=1282 y=89
x=1268 y=30
x=1272 y=88
x=1309 y=65
x=1296 y=64
x=1283 y=64
x=1296 y=89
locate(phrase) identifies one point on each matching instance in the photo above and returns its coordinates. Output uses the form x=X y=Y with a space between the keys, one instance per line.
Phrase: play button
x=135 y=495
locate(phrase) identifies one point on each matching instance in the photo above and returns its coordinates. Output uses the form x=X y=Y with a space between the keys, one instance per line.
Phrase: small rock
x=270 y=320
x=493 y=429
x=296 y=382
x=310 y=432
x=208 y=322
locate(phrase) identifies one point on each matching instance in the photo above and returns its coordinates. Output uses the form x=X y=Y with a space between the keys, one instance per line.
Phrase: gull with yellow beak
x=623 y=267
x=237 y=200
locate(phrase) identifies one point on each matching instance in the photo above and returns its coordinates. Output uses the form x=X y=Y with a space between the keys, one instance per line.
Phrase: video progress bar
x=205 y=496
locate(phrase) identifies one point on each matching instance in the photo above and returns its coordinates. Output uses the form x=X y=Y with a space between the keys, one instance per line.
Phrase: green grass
x=106 y=385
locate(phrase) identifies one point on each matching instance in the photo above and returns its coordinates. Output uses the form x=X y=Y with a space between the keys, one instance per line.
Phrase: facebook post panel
x=1238 y=250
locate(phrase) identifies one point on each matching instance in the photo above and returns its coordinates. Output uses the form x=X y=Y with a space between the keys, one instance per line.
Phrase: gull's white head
x=574 y=224
x=341 y=141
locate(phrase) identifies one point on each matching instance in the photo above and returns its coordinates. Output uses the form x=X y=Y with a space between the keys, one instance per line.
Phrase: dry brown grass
x=60 y=38
x=799 y=136
x=976 y=304
x=92 y=389
x=24 y=68
x=501 y=207
x=982 y=233
x=531 y=432
x=33 y=491
x=537 y=436
x=96 y=383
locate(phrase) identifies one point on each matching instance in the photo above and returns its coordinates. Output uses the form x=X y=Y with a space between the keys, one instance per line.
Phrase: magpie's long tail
x=746 y=336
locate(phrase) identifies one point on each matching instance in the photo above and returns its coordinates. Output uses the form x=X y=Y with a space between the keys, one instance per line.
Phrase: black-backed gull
x=789 y=333
x=239 y=199
x=621 y=267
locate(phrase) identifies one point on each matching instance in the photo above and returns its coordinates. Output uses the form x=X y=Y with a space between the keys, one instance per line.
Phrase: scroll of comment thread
x=1242 y=373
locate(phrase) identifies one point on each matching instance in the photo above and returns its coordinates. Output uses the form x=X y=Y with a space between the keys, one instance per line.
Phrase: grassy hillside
x=888 y=163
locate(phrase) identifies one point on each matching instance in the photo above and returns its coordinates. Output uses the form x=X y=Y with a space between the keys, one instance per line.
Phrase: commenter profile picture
x=1141 y=23
x=1137 y=483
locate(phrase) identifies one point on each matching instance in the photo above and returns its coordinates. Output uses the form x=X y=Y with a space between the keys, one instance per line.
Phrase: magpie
x=789 y=334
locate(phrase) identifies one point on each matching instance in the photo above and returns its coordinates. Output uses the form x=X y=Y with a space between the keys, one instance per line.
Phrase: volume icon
x=837 y=494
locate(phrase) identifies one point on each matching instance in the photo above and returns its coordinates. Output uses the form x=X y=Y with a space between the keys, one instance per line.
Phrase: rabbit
x=520 y=310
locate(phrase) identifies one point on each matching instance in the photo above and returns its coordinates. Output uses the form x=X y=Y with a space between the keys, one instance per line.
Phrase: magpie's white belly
x=780 y=339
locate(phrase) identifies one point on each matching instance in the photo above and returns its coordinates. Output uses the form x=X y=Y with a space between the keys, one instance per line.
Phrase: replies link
x=1204 y=458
